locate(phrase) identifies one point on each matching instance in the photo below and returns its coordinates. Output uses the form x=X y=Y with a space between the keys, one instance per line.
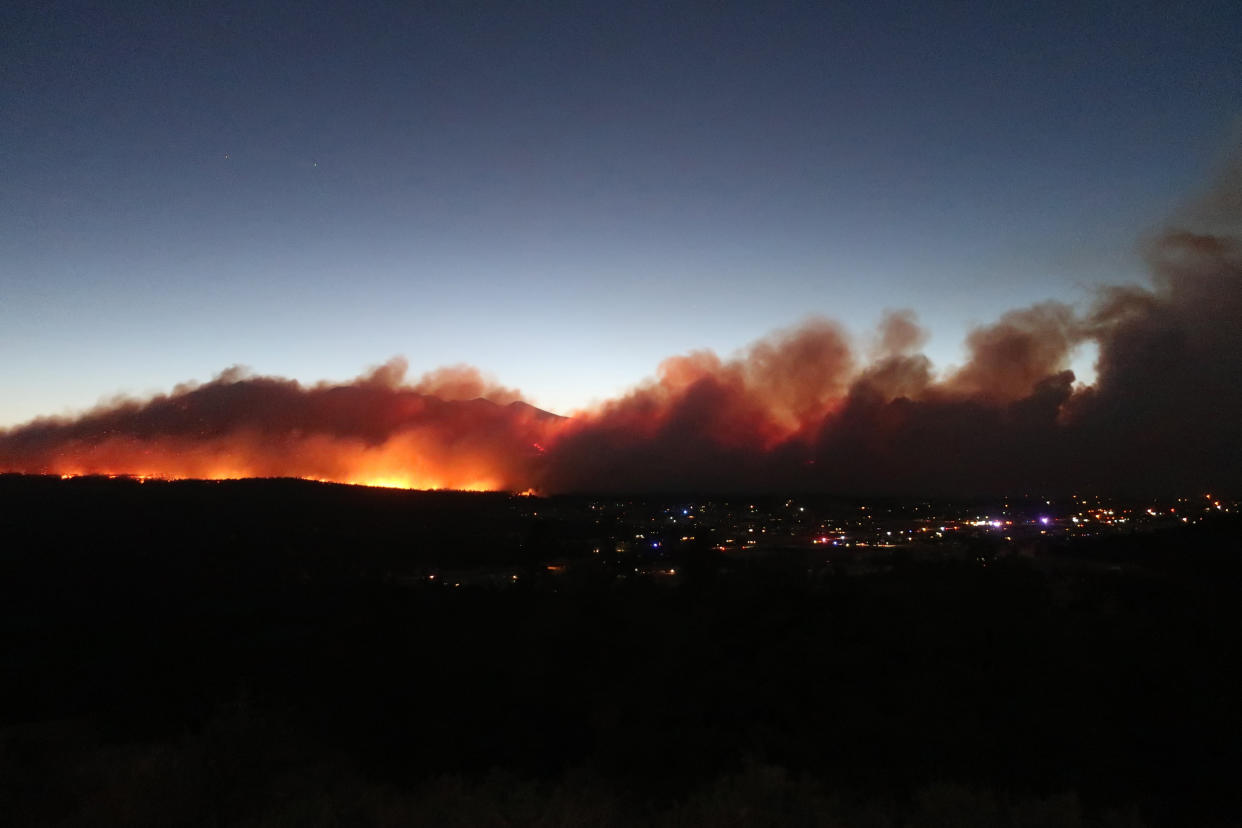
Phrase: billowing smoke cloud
x=1162 y=415
x=1169 y=398
x=798 y=411
x=375 y=430
x=456 y=382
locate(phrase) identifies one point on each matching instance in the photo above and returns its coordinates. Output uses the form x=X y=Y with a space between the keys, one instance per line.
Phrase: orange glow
x=397 y=464
x=406 y=460
x=450 y=430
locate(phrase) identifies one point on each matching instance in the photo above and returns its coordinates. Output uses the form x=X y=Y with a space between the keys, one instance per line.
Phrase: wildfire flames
x=376 y=431
x=802 y=409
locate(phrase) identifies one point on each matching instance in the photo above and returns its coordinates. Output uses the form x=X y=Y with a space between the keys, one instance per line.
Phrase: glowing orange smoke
x=374 y=431
x=420 y=458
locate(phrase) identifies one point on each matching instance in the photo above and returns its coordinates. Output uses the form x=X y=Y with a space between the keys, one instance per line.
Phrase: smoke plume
x=375 y=430
x=801 y=410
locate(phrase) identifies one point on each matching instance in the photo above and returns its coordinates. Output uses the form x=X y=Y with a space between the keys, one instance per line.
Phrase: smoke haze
x=803 y=409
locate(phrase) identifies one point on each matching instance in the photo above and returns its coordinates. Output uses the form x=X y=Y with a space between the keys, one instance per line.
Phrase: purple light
x=1045 y=521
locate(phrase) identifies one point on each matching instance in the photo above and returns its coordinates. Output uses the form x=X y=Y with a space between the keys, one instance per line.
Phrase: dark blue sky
x=564 y=194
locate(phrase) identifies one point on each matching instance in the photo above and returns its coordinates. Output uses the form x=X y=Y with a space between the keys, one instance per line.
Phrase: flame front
x=404 y=461
x=374 y=431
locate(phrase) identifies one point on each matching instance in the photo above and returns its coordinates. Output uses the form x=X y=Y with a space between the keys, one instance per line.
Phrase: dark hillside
x=266 y=614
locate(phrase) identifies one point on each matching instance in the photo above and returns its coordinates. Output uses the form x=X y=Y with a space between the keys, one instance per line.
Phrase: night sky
x=565 y=196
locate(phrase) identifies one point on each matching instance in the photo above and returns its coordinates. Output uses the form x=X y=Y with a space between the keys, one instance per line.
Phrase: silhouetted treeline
x=166 y=644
